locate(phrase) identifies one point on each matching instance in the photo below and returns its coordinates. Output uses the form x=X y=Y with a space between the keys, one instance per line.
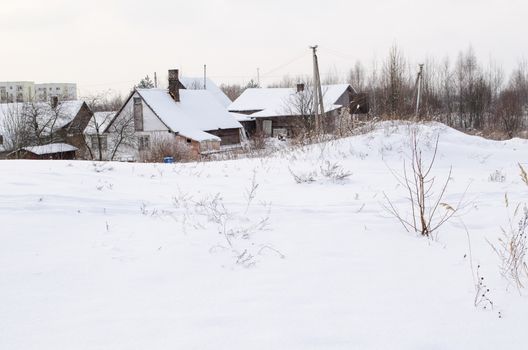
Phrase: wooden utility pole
x=318 y=94
x=258 y=77
x=205 y=77
x=419 y=89
x=155 y=80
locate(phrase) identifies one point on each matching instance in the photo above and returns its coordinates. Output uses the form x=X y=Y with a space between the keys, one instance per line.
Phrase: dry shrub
x=161 y=147
x=512 y=247
x=512 y=244
x=428 y=211
x=258 y=141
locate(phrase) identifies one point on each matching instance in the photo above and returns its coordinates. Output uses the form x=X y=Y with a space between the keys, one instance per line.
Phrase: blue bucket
x=168 y=160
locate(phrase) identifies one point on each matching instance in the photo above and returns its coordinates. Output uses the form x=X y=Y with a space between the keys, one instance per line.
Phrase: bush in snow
x=428 y=212
x=497 y=176
x=334 y=171
x=512 y=245
x=328 y=170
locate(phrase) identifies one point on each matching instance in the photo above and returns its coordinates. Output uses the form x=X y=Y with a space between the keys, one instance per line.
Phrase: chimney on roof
x=174 y=84
x=300 y=87
x=54 y=101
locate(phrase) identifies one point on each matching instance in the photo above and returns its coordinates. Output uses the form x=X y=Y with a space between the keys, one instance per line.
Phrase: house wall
x=345 y=99
x=228 y=136
x=295 y=125
x=150 y=121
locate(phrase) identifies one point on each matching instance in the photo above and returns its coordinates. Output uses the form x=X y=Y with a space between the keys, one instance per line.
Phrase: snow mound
x=237 y=254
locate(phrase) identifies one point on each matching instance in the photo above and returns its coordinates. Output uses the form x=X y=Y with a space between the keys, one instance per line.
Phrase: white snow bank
x=135 y=256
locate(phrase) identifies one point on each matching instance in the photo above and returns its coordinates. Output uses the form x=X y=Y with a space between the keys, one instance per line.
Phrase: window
x=95 y=142
x=189 y=140
x=144 y=142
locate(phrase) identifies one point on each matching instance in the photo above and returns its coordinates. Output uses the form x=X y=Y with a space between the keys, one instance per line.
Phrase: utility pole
x=318 y=94
x=419 y=89
x=155 y=80
x=205 y=77
x=258 y=77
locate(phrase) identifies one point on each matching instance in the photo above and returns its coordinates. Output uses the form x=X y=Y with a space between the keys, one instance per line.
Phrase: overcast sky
x=102 y=44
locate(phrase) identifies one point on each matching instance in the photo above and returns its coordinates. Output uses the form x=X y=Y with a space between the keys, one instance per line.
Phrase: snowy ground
x=142 y=256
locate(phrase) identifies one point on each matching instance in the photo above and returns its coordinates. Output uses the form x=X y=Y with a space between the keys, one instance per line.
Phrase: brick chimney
x=174 y=84
x=300 y=87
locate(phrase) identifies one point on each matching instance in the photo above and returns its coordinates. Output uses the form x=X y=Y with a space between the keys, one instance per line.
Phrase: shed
x=51 y=151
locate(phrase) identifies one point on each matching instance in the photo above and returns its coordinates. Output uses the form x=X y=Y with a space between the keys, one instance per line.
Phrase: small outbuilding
x=51 y=151
x=289 y=111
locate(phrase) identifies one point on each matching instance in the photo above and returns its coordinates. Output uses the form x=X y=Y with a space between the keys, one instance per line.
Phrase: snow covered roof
x=270 y=102
x=99 y=121
x=191 y=83
x=241 y=117
x=197 y=112
x=63 y=114
x=50 y=149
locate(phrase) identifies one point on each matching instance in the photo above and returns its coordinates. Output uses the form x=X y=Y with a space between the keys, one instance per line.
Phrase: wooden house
x=287 y=111
x=56 y=122
x=53 y=151
x=193 y=120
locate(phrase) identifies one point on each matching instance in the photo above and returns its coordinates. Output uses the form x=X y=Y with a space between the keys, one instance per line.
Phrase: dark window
x=95 y=142
x=189 y=140
x=144 y=142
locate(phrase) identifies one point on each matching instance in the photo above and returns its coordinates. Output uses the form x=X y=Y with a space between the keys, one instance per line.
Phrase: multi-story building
x=24 y=91
x=64 y=91
x=17 y=91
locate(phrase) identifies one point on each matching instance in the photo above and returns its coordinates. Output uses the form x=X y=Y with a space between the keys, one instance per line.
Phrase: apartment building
x=24 y=91
x=64 y=91
x=17 y=91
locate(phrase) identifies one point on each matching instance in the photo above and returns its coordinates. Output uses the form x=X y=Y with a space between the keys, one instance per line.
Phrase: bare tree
x=14 y=129
x=419 y=184
x=121 y=133
x=509 y=111
x=357 y=76
x=233 y=91
x=394 y=81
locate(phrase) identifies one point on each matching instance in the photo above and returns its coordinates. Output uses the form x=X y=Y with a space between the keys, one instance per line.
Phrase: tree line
x=462 y=93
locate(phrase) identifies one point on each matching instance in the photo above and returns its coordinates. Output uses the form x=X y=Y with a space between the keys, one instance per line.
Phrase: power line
x=304 y=54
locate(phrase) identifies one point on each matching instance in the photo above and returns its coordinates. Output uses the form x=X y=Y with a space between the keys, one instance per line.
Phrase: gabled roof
x=64 y=113
x=197 y=112
x=192 y=83
x=50 y=149
x=270 y=102
x=99 y=120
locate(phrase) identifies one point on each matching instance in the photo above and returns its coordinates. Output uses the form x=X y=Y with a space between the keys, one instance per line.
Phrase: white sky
x=102 y=44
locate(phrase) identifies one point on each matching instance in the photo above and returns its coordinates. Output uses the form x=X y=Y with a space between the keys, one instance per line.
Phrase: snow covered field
x=237 y=255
